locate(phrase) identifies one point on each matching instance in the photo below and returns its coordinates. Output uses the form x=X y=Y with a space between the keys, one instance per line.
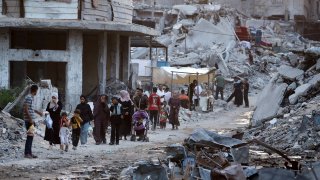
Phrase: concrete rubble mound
x=12 y=133
x=296 y=131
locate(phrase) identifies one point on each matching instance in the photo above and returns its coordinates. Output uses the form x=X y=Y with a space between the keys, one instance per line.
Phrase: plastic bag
x=48 y=121
x=31 y=131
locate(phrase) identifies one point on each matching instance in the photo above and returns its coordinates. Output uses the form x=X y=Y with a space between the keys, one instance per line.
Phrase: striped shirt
x=28 y=101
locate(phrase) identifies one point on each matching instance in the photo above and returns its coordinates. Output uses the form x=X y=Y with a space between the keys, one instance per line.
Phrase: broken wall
x=37 y=71
x=71 y=57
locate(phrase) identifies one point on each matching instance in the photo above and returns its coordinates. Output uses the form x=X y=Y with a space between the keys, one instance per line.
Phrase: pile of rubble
x=286 y=113
x=296 y=132
x=208 y=155
x=11 y=135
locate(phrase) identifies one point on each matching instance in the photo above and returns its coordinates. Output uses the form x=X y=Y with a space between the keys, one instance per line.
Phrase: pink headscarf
x=124 y=96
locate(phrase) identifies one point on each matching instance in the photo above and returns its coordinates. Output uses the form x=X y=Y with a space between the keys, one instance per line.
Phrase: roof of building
x=142 y=41
x=26 y=23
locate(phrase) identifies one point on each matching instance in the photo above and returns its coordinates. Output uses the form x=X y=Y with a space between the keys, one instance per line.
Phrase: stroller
x=140 y=126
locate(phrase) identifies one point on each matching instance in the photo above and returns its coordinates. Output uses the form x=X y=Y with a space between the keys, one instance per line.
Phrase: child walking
x=64 y=132
x=116 y=116
x=76 y=124
x=164 y=113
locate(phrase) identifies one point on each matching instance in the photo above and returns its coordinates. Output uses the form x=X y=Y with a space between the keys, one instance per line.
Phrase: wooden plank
x=41 y=10
x=43 y=4
x=106 y=7
x=97 y=13
x=126 y=2
x=103 y=11
x=15 y=15
x=100 y=3
x=13 y=6
x=51 y=16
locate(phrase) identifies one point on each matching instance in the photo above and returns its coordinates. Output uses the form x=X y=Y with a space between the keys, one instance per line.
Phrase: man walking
x=140 y=101
x=154 y=107
x=220 y=82
x=29 y=117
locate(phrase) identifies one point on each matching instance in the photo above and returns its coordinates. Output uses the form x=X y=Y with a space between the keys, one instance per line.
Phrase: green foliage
x=6 y=96
x=9 y=95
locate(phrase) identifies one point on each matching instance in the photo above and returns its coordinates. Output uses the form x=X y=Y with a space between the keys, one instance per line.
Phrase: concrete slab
x=212 y=8
x=292 y=86
x=315 y=80
x=205 y=35
x=188 y=10
x=315 y=51
x=293 y=59
x=130 y=29
x=269 y=101
x=318 y=65
x=187 y=22
x=300 y=91
x=290 y=72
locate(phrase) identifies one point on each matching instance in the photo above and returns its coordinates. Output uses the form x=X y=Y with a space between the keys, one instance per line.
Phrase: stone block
x=300 y=91
x=318 y=65
x=293 y=59
x=268 y=102
x=188 y=10
x=290 y=72
x=315 y=80
x=292 y=86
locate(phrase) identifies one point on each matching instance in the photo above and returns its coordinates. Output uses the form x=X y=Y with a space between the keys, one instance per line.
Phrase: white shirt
x=160 y=93
x=196 y=92
x=167 y=96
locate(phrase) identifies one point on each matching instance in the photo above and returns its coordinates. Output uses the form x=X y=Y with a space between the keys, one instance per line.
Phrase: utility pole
x=153 y=9
x=286 y=11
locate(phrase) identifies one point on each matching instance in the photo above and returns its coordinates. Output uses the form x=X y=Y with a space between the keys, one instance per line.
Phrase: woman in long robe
x=101 y=114
x=127 y=106
x=54 y=108
x=174 y=104
x=238 y=100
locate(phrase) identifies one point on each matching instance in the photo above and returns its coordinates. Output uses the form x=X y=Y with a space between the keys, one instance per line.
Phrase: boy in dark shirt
x=116 y=116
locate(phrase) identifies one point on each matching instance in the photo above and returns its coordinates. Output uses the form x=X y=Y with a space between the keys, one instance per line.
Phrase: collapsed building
x=79 y=45
x=284 y=69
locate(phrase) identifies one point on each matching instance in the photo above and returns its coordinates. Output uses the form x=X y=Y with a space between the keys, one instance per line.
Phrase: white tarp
x=181 y=75
x=185 y=71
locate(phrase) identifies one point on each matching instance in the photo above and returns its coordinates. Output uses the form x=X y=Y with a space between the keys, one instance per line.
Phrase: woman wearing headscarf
x=174 y=104
x=127 y=106
x=54 y=108
x=87 y=116
x=101 y=115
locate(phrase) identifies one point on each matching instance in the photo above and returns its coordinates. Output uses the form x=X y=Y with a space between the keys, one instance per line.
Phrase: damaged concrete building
x=79 y=45
x=279 y=9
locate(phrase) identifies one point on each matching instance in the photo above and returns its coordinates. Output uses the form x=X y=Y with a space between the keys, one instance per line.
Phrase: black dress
x=125 y=128
x=52 y=135
x=238 y=94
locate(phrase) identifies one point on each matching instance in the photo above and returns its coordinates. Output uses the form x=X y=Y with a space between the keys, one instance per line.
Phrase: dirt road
x=112 y=159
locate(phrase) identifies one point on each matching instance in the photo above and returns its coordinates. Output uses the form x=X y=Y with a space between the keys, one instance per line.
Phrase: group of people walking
x=127 y=116
x=118 y=115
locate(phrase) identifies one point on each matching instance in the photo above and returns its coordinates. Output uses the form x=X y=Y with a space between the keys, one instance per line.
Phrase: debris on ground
x=12 y=133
